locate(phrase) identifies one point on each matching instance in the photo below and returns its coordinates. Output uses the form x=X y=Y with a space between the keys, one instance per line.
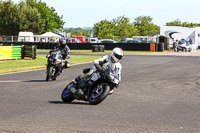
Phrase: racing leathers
x=105 y=61
x=101 y=64
x=65 y=54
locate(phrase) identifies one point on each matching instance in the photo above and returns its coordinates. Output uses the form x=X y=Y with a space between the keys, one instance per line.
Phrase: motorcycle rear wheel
x=97 y=95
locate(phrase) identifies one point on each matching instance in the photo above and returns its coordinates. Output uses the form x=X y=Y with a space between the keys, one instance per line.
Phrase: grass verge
x=39 y=63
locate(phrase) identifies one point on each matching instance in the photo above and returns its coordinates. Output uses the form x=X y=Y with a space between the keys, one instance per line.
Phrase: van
x=25 y=37
x=94 y=40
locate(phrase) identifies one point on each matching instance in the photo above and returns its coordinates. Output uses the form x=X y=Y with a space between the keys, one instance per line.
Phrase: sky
x=85 y=13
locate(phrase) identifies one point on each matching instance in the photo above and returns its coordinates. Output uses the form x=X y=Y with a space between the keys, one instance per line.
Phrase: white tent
x=49 y=36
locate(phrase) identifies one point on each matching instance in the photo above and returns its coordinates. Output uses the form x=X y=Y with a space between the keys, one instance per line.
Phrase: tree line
x=122 y=27
x=178 y=22
x=28 y=15
x=77 y=31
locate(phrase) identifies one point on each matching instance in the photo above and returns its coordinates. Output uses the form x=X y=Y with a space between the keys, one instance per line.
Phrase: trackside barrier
x=152 y=47
x=88 y=46
x=110 y=46
x=161 y=47
x=97 y=48
x=29 y=51
x=10 y=52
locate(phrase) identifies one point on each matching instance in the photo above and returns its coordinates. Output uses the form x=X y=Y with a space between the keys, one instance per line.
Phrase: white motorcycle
x=54 y=64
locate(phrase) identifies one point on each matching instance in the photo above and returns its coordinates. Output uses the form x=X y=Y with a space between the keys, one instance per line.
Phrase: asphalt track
x=158 y=94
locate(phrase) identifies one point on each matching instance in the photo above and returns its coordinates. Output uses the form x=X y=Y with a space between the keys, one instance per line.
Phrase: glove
x=116 y=83
x=98 y=67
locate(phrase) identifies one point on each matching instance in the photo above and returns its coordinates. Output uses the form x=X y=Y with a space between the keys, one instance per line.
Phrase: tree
x=9 y=18
x=30 y=19
x=176 y=22
x=145 y=26
x=28 y=15
x=124 y=28
x=51 y=18
x=104 y=28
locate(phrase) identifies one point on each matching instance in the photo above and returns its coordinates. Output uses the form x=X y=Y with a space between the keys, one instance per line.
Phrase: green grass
x=39 y=63
x=24 y=65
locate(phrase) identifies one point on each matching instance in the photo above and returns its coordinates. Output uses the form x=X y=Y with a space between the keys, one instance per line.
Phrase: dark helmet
x=62 y=41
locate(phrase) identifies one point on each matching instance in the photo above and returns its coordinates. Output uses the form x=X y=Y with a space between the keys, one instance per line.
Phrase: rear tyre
x=99 y=93
x=67 y=96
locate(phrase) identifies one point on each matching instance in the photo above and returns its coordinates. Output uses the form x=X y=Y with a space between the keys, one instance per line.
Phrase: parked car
x=151 y=41
x=184 y=45
x=123 y=40
x=133 y=41
x=94 y=40
x=107 y=41
x=147 y=41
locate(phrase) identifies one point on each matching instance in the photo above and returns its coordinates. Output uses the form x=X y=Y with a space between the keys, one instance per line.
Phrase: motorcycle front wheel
x=67 y=96
x=49 y=72
x=99 y=93
x=57 y=73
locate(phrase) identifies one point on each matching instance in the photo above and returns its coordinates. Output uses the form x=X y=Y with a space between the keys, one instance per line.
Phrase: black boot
x=76 y=80
x=66 y=65
x=61 y=69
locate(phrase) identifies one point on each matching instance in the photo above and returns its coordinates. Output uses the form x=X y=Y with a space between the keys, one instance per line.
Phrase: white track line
x=11 y=81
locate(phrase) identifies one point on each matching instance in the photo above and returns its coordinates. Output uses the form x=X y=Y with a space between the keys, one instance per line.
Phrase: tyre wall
x=89 y=46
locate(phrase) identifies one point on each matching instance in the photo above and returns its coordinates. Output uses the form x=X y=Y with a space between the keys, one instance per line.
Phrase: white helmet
x=116 y=55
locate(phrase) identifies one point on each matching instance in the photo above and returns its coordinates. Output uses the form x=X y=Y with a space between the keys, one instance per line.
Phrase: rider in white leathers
x=113 y=61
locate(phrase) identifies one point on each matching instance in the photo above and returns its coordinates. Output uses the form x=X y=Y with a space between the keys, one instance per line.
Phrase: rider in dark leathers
x=65 y=53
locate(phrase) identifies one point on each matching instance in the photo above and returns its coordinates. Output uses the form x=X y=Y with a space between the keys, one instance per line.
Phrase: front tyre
x=49 y=72
x=67 y=96
x=99 y=93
